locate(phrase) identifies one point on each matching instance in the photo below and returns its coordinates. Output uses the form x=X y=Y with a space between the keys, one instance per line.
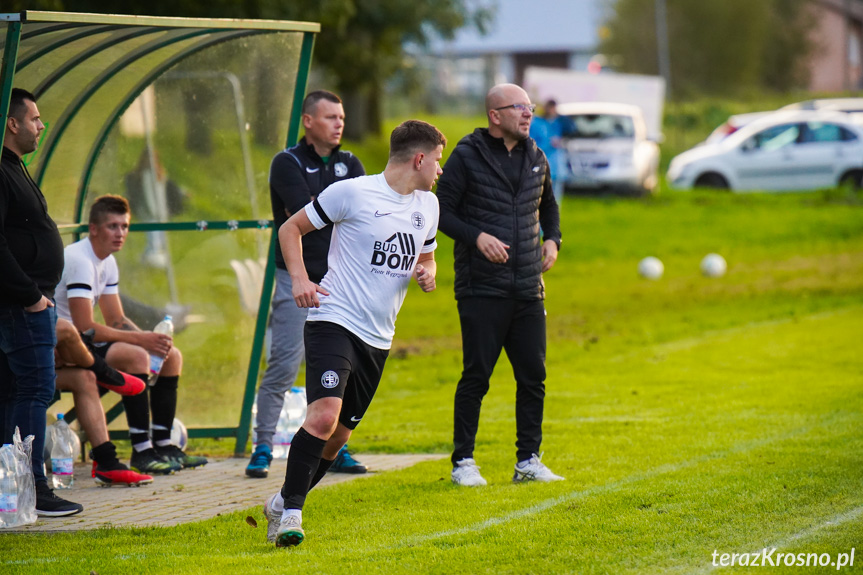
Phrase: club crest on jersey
x=397 y=252
x=330 y=379
x=418 y=220
x=340 y=169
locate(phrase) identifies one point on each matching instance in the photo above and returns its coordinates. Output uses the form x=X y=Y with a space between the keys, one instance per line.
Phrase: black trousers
x=487 y=326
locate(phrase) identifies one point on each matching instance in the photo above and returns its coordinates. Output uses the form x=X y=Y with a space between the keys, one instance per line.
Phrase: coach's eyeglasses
x=520 y=107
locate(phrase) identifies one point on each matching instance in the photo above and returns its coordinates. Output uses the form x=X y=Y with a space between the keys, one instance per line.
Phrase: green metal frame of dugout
x=88 y=71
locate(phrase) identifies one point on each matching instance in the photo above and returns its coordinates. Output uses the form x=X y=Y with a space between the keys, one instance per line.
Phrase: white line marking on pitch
x=576 y=495
x=834 y=521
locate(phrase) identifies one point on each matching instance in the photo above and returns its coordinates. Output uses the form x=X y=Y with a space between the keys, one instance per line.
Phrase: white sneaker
x=466 y=472
x=533 y=470
x=273 y=519
x=290 y=532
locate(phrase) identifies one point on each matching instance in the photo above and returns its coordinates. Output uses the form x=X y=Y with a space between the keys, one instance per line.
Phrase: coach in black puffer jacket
x=477 y=195
x=495 y=200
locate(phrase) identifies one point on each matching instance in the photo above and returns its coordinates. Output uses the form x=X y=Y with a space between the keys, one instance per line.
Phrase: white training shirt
x=86 y=276
x=378 y=235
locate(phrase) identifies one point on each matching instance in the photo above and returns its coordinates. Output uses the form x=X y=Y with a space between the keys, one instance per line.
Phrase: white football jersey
x=378 y=235
x=85 y=276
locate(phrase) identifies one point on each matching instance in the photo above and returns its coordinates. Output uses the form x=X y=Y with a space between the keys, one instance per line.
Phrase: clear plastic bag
x=8 y=487
x=26 y=483
x=17 y=462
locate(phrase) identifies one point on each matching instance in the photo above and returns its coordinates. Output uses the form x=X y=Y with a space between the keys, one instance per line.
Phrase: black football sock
x=304 y=458
x=323 y=467
x=163 y=403
x=105 y=455
x=138 y=416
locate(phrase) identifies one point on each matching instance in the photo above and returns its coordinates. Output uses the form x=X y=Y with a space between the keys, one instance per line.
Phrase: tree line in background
x=717 y=47
x=359 y=46
x=726 y=47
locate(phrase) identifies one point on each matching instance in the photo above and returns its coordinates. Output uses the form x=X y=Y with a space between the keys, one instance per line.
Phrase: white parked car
x=787 y=150
x=852 y=106
x=609 y=149
x=847 y=105
x=732 y=124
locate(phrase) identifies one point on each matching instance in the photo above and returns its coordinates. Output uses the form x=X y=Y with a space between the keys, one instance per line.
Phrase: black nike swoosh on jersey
x=378 y=214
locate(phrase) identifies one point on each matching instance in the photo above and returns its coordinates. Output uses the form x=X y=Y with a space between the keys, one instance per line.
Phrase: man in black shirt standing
x=31 y=257
x=495 y=196
x=297 y=175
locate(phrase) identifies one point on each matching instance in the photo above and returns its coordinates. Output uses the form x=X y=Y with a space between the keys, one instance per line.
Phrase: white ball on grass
x=713 y=266
x=179 y=434
x=651 y=268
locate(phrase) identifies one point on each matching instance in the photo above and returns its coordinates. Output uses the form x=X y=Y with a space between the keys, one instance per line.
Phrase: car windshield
x=601 y=126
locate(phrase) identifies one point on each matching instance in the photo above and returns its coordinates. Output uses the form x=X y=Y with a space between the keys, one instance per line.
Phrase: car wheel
x=851 y=180
x=711 y=180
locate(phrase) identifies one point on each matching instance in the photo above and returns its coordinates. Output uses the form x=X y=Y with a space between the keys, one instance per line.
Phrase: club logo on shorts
x=340 y=169
x=418 y=220
x=330 y=379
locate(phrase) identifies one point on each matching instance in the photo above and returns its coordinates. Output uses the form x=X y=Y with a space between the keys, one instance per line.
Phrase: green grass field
x=689 y=415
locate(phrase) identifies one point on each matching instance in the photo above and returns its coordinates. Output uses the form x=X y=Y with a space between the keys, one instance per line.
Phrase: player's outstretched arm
x=426 y=271
x=290 y=238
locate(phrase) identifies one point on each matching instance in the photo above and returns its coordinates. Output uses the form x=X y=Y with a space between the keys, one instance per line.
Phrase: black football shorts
x=339 y=364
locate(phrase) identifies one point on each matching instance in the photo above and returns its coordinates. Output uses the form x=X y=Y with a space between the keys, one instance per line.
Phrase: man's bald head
x=504 y=95
x=509 y=113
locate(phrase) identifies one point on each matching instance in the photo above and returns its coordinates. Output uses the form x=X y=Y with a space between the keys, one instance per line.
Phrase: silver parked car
x=608 y=148
x=786 y=150
x=853 y=106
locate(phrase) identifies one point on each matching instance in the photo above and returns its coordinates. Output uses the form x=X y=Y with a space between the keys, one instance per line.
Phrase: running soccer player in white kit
x=383 y=235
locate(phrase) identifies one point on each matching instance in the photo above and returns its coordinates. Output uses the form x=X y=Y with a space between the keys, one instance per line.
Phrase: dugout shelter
x=182 y=117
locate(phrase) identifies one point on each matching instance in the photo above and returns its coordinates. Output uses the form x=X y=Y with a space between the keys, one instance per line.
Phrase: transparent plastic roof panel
x=181 y=117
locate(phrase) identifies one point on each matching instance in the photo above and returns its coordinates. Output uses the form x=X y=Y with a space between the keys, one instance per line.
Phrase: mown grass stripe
x=845 y=517
x=690 y=342
x=599 y=489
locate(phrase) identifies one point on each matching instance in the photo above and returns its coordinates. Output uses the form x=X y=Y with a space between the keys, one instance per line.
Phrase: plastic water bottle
x=295 y=408
x=290 y=419
x=8 y=487
x=281 y=438
x=49 y=444
x=61 y=454
x=166 y=326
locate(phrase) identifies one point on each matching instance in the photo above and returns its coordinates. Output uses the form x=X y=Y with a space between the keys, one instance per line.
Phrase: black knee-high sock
x=304 y=459
x=138 y=414
x=163 y=403
x=323 y=467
